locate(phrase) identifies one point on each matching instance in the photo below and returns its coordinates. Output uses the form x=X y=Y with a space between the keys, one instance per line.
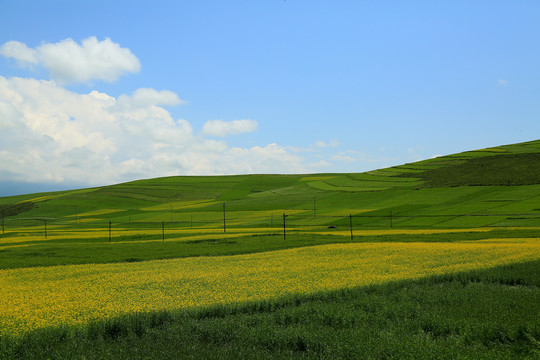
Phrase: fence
x=224 y=222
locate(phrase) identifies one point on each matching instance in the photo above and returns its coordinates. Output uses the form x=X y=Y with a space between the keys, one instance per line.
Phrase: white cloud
x=51 y=134
x=301 y=149
x=343 y=158
x=145 y=97
x=223 y=128
x=20 y=52
x=70 y=62
x=331 y=144
x=317 y=166
x=502 y=82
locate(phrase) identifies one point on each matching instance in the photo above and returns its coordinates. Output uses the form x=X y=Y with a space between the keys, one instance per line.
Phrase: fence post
x=350 y=225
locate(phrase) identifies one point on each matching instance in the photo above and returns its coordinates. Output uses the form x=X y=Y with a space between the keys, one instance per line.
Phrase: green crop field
x=434 y=259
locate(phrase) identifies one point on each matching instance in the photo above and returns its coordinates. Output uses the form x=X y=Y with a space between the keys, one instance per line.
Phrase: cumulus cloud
x=146 y=97
x=51 y=134
x=222 y=128
x=70 y=62
x=20 y=52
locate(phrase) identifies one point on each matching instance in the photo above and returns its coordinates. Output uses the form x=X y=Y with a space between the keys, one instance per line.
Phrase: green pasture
x=410 y=196
x=495 y=188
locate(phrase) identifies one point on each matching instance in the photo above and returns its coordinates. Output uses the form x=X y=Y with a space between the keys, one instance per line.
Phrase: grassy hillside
x=499 y=182
x=494 y=190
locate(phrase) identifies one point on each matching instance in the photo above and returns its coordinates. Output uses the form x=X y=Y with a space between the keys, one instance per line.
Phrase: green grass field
x=442 y=261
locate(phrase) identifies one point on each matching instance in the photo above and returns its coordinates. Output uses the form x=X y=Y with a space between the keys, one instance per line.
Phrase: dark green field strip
x=482 y=314
x=14 y=209
x=63 y=253
x=501 y=170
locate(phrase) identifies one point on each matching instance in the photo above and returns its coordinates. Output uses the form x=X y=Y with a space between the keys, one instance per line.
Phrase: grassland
x=441 y=261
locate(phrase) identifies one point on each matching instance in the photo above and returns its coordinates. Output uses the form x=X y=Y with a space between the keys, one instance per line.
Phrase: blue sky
x=100 y=92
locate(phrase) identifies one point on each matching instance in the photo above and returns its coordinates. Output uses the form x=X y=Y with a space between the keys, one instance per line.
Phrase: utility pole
x=350 y=225
x=284 y=231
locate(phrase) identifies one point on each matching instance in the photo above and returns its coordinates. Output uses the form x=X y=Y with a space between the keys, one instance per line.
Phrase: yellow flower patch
x=37 y=297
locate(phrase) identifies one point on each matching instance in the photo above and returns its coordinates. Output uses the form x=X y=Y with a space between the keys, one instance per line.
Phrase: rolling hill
x=499 y=186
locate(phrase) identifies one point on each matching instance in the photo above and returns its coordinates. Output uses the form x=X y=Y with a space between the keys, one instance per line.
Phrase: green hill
x=489 y=193
x=496 y=185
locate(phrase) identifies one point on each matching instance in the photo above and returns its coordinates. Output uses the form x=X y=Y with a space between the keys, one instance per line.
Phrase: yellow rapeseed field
x=37 y=297
x=400 y=231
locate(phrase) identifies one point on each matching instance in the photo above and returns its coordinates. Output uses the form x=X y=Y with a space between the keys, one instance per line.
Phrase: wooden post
x=109 y=230
x=224 y=225
x=162 y=231
x=350 y=225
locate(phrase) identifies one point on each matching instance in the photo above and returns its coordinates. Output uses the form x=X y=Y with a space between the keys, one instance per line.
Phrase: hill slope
x=497 y=185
